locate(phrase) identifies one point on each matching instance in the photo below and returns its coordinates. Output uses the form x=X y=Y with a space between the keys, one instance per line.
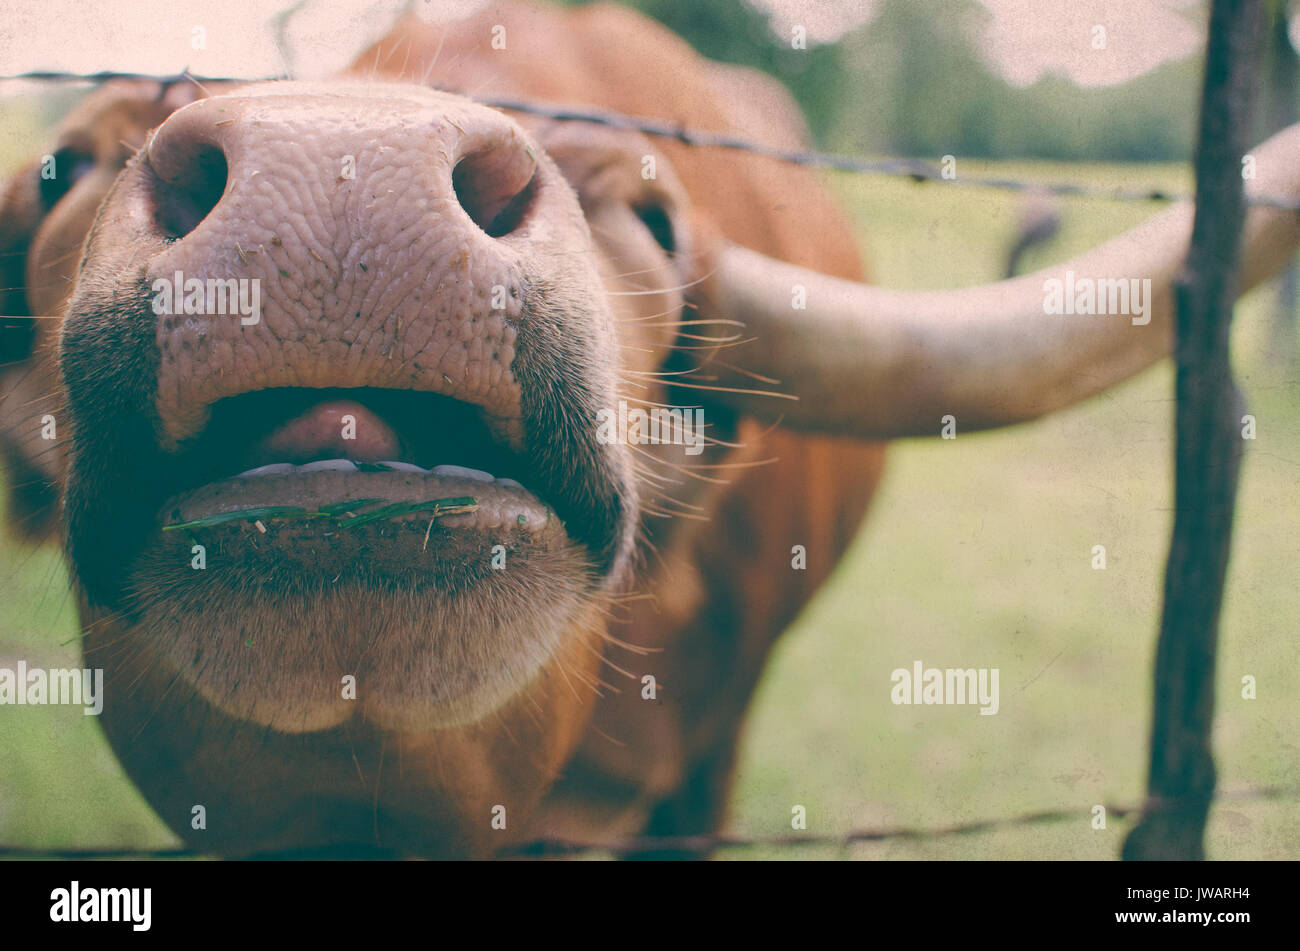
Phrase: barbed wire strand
x=703 y=844
x=918 y=170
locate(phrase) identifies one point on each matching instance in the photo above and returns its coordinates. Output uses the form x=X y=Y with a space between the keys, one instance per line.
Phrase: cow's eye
x=68 y=167
x=655 y=218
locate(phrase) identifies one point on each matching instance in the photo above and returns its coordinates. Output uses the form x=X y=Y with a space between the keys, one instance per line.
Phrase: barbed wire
x=918 y=170
x=705 y=844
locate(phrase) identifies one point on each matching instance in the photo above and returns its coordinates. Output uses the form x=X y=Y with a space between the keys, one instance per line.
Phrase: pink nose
x=368 y=235
x=448 y=151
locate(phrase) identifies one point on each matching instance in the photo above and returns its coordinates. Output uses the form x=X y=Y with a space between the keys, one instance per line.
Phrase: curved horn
x=875 y=363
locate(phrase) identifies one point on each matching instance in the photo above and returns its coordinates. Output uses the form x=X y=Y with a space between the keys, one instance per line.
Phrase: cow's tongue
x=338 y=429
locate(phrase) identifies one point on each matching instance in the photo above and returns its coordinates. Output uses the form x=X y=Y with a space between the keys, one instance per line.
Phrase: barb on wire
x=918 y=170
x=703 y=844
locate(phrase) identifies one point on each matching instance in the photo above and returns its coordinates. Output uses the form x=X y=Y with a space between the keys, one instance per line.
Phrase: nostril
x=496 y=188
x=186 y=199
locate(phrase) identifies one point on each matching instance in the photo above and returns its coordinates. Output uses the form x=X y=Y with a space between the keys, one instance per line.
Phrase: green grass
x=977 y=553
x=61 y=786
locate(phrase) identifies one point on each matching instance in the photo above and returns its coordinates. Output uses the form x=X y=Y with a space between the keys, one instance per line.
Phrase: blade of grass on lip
x=438 y=506
x=244 y=515
x=342 y=508
x=454 y=506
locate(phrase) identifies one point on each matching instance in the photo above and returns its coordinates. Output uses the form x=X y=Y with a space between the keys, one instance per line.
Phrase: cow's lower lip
x=336 y=495
x=265 y=590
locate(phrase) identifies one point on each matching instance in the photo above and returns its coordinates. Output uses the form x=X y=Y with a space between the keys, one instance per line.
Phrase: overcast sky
x=1024 y=38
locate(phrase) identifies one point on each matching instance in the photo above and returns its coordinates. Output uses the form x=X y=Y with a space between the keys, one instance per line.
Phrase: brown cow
x=440 y=284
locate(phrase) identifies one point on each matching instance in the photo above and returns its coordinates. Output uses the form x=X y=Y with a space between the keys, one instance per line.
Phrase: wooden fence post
x=1208 y=454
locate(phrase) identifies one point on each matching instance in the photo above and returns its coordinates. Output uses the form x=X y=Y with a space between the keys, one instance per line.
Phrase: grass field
x=977 y=554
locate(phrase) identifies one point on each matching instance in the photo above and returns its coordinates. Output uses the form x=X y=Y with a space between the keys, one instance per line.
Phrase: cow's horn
x=872 y=362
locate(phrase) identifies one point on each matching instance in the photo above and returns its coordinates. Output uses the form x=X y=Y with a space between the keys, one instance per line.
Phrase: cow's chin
x=412 y=621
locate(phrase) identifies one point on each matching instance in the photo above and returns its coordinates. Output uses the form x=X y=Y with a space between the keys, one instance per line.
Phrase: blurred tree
x=918 y=66
x=912 y=81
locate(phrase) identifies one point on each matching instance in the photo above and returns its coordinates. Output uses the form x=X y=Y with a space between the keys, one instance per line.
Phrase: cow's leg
x=699 y=806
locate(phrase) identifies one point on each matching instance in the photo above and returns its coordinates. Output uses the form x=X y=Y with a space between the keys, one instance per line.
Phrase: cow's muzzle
x=348 y=339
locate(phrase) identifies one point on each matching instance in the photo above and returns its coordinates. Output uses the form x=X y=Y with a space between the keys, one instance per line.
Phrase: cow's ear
x=21 y=211
x=31 y=464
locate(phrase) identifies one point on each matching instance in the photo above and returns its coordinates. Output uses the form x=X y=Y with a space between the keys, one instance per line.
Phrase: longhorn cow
x=355 y=562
